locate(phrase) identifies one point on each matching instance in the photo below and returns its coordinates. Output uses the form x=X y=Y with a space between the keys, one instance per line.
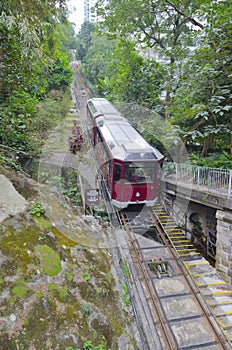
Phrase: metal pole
x=198 y=176
x=229 y=187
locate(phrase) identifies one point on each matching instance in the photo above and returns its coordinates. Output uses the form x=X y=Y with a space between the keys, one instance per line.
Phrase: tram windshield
x=139 y=172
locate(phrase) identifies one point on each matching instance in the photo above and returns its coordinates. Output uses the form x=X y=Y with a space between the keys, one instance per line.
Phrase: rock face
x=55 y=292
x=11 y=202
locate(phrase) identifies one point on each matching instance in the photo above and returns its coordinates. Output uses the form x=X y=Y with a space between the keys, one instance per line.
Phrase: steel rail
x=152 y=296
x=81 y=100
x=222 y=340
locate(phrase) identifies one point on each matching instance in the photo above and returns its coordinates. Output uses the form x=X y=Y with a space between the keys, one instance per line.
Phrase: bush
x=37 y=209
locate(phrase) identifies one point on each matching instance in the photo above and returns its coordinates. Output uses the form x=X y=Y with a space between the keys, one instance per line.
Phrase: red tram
x=129 y=165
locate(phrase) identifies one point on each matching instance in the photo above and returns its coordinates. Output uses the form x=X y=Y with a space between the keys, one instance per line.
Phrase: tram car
x=129 y=164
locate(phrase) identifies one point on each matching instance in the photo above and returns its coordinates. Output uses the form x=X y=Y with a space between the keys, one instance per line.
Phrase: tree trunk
x=169 y=88
x=208 y=141
x=231 y=136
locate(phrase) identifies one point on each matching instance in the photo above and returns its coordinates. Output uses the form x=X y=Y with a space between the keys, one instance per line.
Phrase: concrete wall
x=184 y=210
x=224 y=244
x=215 y=213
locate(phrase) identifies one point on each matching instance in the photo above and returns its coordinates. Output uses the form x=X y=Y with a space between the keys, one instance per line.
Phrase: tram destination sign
x=92 y=197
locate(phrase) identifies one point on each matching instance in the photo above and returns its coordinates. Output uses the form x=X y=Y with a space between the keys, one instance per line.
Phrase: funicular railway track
x=177 y=316
x=182 y=318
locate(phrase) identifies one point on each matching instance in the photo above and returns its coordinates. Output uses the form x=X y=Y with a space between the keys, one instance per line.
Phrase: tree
x=192 y=40
x=202 y=102
x=164 y=26
x=27 y=43
x=84 y=40
x=131 y=78
x=96 y=61
x=34 y=59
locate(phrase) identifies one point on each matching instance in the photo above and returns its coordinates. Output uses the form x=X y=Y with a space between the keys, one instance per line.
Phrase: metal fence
x=210 y=179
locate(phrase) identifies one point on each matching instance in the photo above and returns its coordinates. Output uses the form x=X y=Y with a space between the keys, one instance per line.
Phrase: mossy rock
x=20 y=290
x=50 y=260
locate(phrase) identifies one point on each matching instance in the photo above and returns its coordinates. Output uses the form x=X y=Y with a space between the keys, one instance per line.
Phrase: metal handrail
x=211 y=179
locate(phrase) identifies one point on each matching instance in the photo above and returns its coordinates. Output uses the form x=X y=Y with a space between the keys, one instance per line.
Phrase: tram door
x=117 y=174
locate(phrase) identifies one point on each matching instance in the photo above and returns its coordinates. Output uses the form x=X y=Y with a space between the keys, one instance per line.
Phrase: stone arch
x=203 y=236
x=198 y=235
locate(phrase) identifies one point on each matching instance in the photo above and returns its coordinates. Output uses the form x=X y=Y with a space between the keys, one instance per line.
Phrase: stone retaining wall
x=224 y=244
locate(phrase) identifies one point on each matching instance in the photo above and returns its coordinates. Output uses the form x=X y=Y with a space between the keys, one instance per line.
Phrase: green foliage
x=18 y=42
x=46 y=116
x=67 y=185
x=196 y=79
x=12 y=130
x=34 y=59
x=10 y=161
x=37 y=209
x=163 y=27
x=60 y=76
x=28 y=124
x=215 y=160
x=86 y=276
x=116 y=70
x=88 y=345
x=97 y=58
x=130 y=78
x=84 y=40
x=125 y=268
x=126 y=297
x=20 y=289
x=86 y=310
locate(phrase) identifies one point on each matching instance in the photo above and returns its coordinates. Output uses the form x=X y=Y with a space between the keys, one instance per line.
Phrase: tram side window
x=117 y=172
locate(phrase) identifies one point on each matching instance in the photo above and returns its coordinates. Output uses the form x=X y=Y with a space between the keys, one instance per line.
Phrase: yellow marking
x=168 y=222
x=197 y=275
x=180 y=241
x=222 y=292
x=170 y=228
x=225 y=302
x=223 y=325
x=184 y=245
x=211 y=284
x=189 y=254
x=176 y=233
x=215 y=304
x=185 y=250
x=197 y=263
x=228 y=336
x=226 y=313
x=170 y=225
x=178 y=236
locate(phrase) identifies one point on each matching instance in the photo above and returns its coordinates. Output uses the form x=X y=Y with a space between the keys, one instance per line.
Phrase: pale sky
x=76 y=7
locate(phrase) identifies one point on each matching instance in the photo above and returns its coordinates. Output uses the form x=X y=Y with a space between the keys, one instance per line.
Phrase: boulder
x=11 y=202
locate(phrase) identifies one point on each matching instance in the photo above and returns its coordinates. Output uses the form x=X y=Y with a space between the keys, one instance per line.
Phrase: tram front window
x=139 y=172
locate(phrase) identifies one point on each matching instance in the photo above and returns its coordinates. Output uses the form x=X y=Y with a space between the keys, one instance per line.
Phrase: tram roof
x=123 y=139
